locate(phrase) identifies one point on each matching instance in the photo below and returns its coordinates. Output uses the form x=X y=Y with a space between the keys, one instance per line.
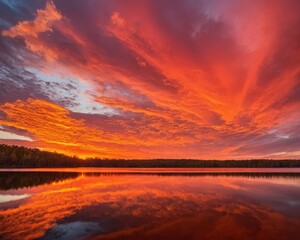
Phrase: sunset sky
x=203 y=79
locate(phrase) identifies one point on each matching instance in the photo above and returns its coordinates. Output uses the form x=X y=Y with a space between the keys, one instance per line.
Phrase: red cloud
x=202 y=79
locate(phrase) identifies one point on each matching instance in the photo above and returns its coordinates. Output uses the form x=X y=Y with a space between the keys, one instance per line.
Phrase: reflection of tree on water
x=16 y=180
x=201 y=174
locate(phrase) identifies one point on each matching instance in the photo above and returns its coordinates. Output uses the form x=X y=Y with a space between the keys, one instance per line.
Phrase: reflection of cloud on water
x=73 y=230
x=7 y=197
x=134 y=205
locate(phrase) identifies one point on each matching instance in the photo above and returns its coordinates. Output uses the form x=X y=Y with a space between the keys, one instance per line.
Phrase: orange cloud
x=42 y=23
x=208 y=81
x=54 y=128
x=52 y=124
x=31 y=30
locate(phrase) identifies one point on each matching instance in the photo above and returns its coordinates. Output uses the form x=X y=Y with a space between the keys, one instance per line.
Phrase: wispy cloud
x=193 y=79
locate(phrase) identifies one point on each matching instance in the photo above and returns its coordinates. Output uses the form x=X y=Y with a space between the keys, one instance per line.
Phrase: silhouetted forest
x=15 y=156
x=20 y=157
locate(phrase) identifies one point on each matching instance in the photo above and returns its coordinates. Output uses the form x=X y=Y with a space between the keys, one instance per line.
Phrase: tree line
x=16 y=156
x=21 y=157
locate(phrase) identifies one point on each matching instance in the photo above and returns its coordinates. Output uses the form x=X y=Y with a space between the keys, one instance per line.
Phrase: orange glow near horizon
x=146 y=79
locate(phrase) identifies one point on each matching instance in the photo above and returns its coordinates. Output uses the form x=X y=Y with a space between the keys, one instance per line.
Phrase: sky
x=201 y=79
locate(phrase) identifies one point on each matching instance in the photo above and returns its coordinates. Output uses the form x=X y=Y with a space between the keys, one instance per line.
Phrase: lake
x=150 y=204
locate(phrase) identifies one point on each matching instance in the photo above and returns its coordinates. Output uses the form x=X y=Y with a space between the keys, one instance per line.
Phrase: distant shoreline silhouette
x=22 y=157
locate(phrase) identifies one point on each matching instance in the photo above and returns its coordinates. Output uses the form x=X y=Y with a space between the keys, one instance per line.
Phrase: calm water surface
x=150 y=204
